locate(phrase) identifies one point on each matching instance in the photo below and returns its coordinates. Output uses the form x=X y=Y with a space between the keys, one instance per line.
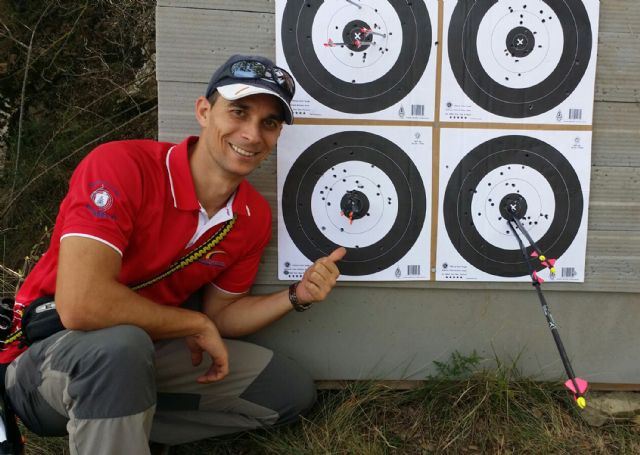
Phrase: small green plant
x=458 y=366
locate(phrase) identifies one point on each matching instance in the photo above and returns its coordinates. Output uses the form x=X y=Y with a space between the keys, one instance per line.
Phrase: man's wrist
x=293 y=298
x=205 y=324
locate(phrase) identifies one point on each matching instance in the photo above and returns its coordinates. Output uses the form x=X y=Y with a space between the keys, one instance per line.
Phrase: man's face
x=240 y=134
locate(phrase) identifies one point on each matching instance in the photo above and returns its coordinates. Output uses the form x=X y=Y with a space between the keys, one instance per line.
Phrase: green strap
x=13 y=337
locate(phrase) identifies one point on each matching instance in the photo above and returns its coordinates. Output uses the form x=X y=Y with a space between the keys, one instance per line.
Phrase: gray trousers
x=112 y=390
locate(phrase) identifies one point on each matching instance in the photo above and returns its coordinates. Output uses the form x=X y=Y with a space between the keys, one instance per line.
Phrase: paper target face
x=358 y=56
x=523 y=58
x=521 y=172
x=359 y=190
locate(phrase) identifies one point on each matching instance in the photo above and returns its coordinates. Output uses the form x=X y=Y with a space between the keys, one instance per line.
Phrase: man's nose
x=251 y=131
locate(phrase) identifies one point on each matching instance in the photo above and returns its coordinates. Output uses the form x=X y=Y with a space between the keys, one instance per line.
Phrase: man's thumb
x=338 y=254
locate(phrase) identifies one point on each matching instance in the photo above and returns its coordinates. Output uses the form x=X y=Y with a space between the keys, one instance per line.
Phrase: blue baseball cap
x=246 y=75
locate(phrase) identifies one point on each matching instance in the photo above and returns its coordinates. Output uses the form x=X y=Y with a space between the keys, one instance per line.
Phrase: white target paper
x=385 y=169
x=359 y=57
x=484 y=168
x=520 y=61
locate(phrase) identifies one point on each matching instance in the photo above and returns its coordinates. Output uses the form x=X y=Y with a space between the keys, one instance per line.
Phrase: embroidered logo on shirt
x=102 y=196
x=102 y=199
x=212 y=261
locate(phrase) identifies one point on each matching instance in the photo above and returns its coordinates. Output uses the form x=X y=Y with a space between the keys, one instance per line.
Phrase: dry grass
x=486 y=412
x=458 y=411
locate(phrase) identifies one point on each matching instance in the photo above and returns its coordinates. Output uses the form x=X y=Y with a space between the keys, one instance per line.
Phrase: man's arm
x=89 y=297
x=237 y=315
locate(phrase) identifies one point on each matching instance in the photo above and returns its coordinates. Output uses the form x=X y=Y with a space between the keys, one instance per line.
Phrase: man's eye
x=271 y=123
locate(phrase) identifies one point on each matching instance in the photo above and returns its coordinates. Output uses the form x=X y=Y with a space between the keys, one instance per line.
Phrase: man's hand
x=209 y=341
x=320 y=278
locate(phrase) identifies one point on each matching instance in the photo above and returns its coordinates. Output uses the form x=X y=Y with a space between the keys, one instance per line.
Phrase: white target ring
x=543 y=35
x=376 y=59
x=329 y=191
x=498 y=184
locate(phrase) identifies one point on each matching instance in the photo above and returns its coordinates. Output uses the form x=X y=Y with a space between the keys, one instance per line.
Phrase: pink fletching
x=544 y=263
x=537 y=278
x=581 y=383
x=534 y=254
x=552 y=262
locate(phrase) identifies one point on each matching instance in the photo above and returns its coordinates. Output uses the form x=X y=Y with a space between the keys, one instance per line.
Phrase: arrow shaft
x=545 y=307
x=556 y=337
x=526 y=234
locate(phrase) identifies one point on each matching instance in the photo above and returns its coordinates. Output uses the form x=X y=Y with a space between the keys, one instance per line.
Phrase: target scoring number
x=520 y=33
x=365 y=191
x=349 y=36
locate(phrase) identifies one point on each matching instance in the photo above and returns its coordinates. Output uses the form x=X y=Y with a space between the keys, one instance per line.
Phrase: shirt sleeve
x=105 y=193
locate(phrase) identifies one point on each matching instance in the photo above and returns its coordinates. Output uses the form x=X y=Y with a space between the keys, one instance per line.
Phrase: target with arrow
x=367 y=57
x=509 y=60
x=357 y=189
x=486 y=178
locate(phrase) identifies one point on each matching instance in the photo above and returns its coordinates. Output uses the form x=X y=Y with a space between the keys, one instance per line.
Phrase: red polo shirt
x=138 y=198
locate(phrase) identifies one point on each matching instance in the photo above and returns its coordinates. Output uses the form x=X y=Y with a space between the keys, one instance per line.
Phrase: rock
x=608 y=407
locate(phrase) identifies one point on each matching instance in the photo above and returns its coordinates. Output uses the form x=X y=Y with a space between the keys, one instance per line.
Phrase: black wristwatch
x=293 y=298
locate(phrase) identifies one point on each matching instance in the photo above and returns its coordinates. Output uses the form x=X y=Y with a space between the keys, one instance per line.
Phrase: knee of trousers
x=284 y=387
x=111 y=372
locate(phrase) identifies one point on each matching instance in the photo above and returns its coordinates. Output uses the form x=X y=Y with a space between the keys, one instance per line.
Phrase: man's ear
x=203 y=108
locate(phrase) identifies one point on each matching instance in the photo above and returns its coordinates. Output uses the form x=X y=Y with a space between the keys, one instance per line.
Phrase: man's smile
x=242 y=152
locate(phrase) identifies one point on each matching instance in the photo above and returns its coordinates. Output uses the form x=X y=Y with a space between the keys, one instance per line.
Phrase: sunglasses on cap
x=253 y=69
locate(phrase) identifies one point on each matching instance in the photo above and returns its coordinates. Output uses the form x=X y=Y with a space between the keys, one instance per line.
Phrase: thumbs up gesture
x=320 y=278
